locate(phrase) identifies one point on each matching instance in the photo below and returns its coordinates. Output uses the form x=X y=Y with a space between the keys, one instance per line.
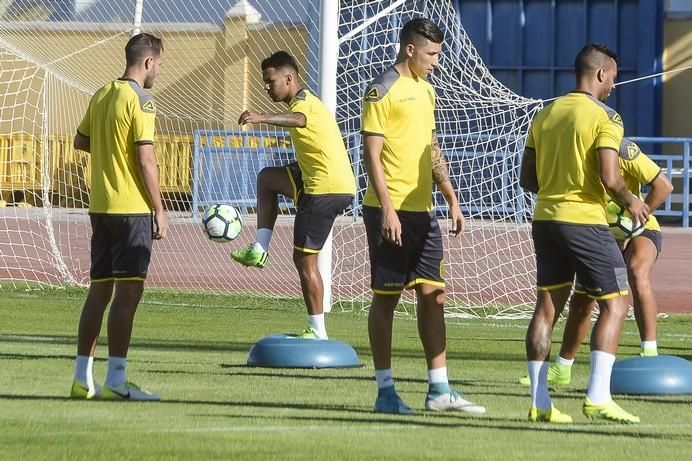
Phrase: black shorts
x=120 y=246
x=418 y=260
x=296 y=177
x=655 y=236
x=315 y=218
x=590 y=252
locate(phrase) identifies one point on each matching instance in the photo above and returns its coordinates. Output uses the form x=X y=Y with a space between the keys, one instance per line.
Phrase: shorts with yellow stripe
x=418 y=261
x=589 y=251
x=120 y=246
x=315 y=213
x=295 y=175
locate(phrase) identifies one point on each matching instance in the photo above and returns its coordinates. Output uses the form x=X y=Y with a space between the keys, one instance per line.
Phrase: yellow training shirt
x=566 y=136
x=120 y=115
x=402 y=110
x=320 y=149
x=638 y=169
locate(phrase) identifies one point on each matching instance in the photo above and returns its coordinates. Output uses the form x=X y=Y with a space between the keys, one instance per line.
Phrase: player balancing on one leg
x=640 y=255
x=118 y=131
x=321 y=183
x=570 y=161
x=404 y=238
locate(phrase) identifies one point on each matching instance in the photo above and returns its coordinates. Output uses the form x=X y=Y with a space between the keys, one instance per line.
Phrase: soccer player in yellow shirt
x=640 y=255
x=321 y=182
x=124 y=199
x=571 y=162
x=404 y=239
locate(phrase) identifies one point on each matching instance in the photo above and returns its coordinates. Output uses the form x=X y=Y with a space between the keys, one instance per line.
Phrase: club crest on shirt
x=149 y=106
x=629 y=150
x=372 y=94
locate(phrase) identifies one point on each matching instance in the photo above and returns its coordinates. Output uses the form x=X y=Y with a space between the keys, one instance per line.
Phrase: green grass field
x=192 y=350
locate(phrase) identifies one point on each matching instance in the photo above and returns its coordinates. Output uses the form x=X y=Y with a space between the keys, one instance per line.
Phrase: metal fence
x=484 y=170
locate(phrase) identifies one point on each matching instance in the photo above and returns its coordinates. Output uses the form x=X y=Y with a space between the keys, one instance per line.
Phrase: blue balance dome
x=661 y=375
x=289 y=351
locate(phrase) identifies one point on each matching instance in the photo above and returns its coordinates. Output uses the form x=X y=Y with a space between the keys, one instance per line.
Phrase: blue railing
x=226 y=172
x=484 y=173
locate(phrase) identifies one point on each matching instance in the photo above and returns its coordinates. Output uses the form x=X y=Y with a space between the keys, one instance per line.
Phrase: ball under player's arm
x=528 y=178
x=440 y=174
x=391 y=226
x=288 y=119
x=615 y=185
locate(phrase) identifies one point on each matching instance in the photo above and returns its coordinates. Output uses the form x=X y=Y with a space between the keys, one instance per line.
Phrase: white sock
x=649 y=345
x=538 y=374
x=317 y=323
x=384 y=378
x=262 y=240
x=83 y=370
x=599 y=381
x=563 y=361
x=438 y=375
x=117 y=371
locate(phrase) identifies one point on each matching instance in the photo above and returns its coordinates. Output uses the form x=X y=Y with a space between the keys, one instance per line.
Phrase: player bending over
x=640 y=255
x=321 y=182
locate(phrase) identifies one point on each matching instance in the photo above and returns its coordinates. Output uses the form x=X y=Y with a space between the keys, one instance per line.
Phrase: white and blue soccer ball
x=222 y=223
x=620 y=222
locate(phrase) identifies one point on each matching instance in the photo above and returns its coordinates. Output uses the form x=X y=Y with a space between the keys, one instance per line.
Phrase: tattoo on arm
x=439 y=164
x=290 y=119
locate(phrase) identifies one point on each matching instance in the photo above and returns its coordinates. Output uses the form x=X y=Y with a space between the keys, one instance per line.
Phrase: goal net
x=54 y=55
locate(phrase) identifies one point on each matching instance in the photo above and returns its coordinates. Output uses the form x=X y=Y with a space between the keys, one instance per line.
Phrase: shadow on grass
x=422 y=419
x=17 y=356
x=29 y=338
x=658 y=399
x=456 y=421
x=332 y=375
x=231 y=346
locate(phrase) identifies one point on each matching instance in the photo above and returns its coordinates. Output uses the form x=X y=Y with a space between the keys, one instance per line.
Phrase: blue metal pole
x=195 y=174
x=686 y=185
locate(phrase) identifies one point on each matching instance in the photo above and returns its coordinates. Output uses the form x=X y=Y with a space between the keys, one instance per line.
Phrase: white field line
x=366 y=427
x=242 y=429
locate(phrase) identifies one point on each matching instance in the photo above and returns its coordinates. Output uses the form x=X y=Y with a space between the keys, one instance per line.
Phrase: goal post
x=137 y=18
x=49 y=69
x=327 y=59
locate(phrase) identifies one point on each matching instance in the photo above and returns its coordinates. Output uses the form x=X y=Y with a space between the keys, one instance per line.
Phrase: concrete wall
x=209 y=76
x=677 y=87
x=207 y=79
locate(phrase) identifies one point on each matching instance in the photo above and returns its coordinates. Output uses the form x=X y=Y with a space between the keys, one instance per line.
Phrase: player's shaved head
x=281 y=60
x=419 y=29
x=593 y=57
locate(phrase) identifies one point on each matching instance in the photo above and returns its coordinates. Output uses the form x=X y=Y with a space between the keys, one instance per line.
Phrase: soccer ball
x=620 y=221
x=222 y=223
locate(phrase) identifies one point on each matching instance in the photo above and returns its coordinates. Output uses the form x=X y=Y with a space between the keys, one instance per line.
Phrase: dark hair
x=591 y=56
x=419 y=28
x=279 y=60
x=142 y=46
